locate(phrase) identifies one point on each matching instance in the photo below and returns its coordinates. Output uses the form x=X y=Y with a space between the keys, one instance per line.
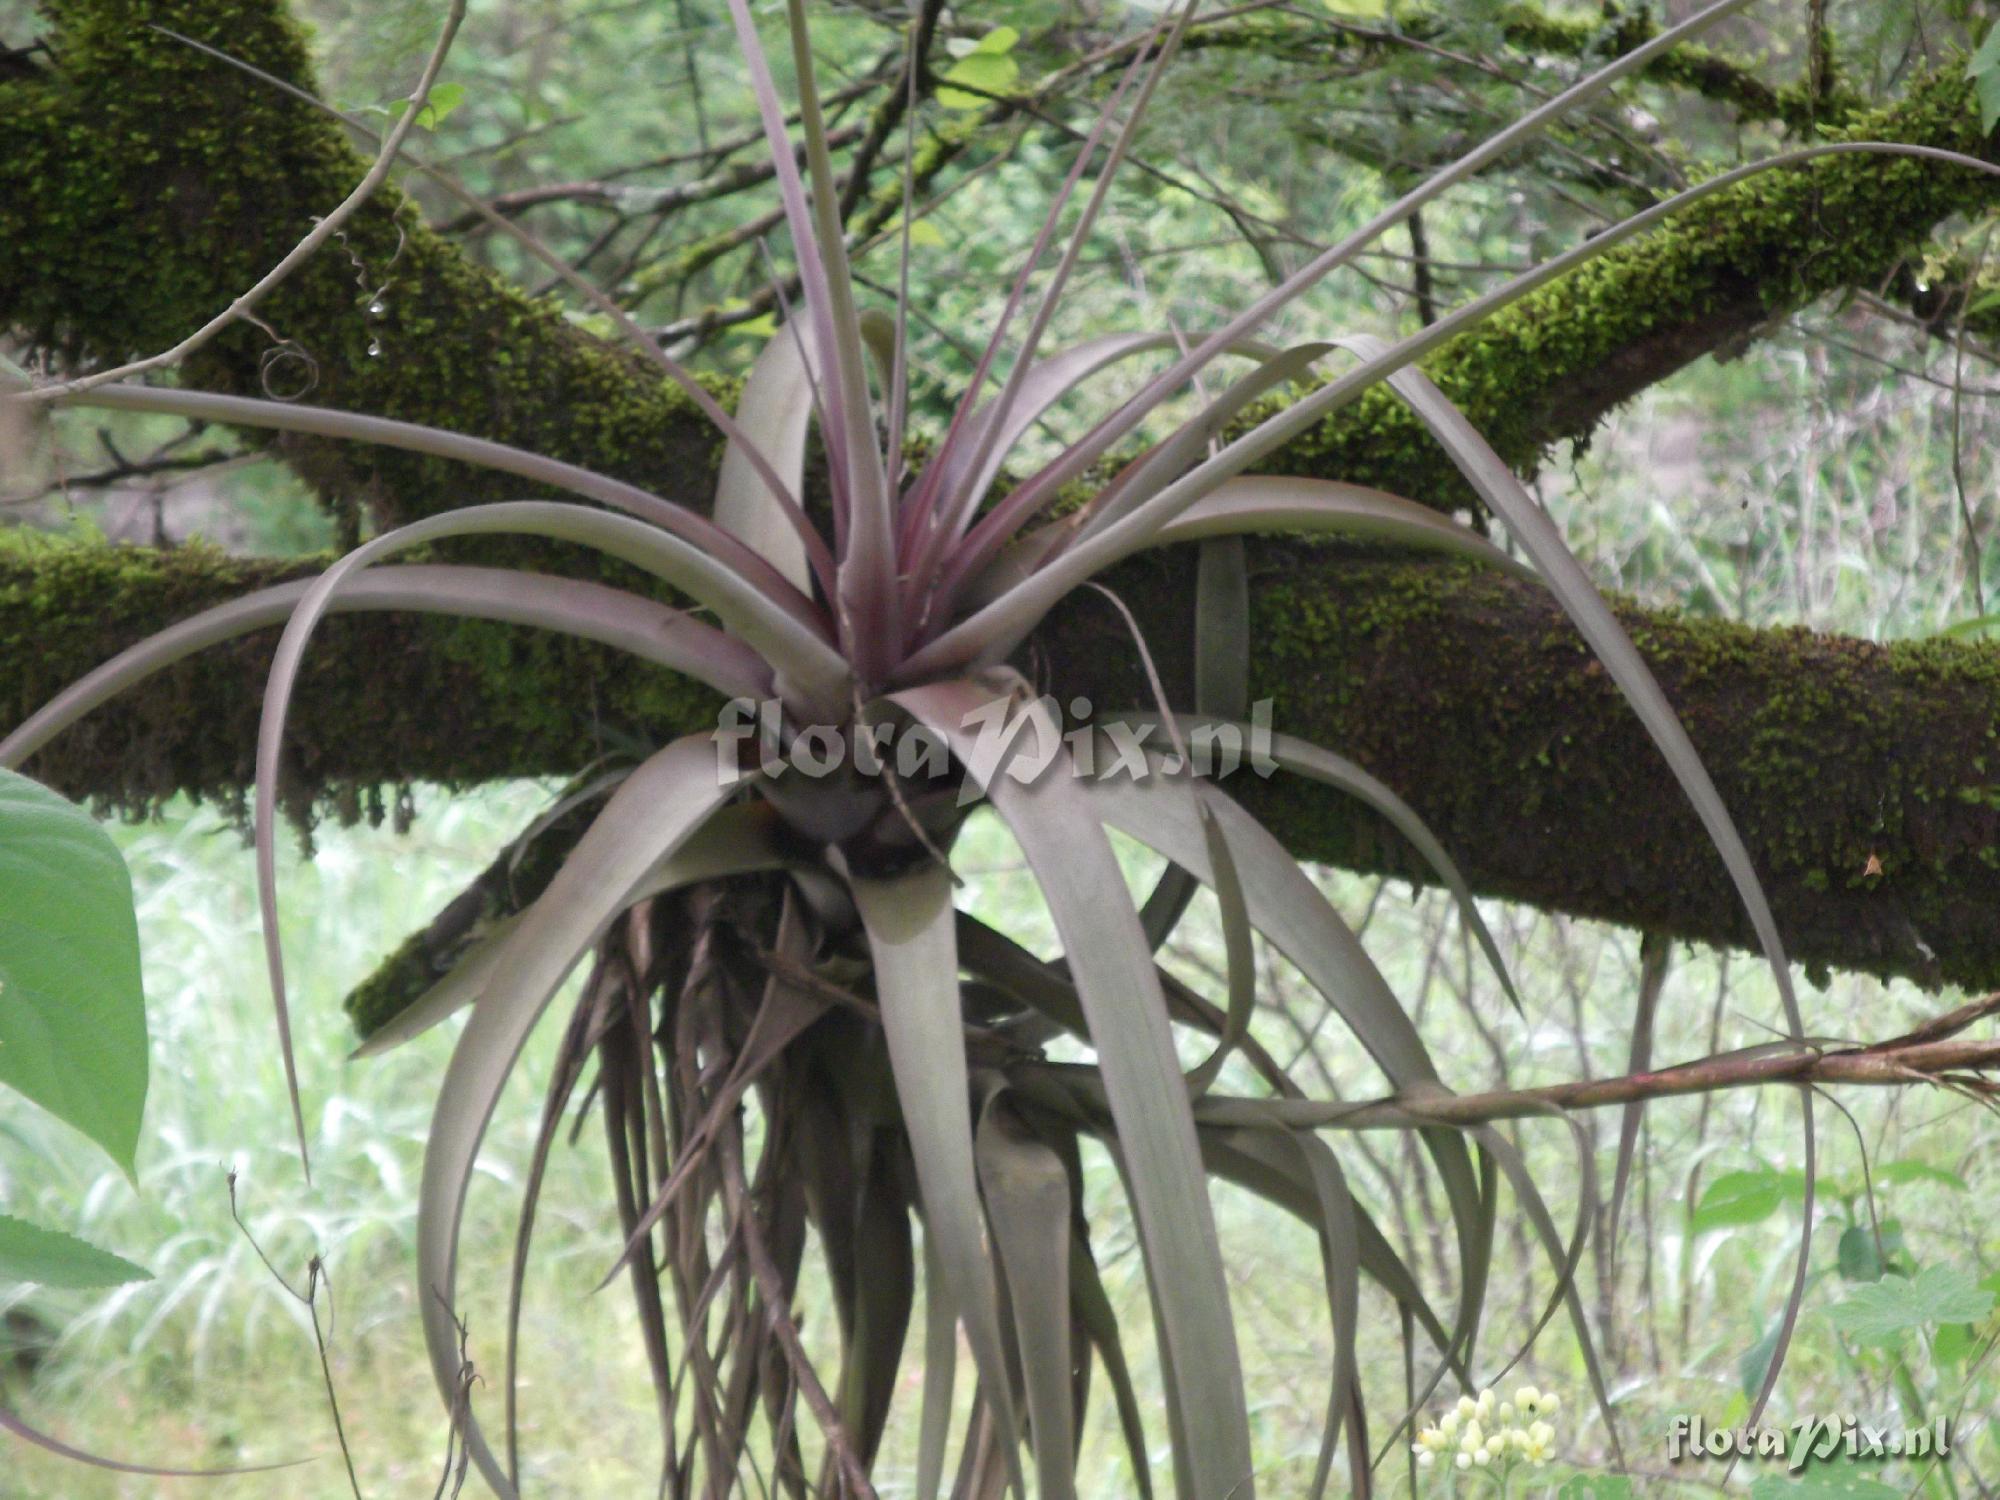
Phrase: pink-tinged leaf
x=1094 y=445
x=958 y=508
x=1037 y=594
x=1258 y=503
x=1137 y=482
x=11 y=1423
x=1055 y=822
x=805 y=239
x=317 y=421
x=927 y=524
x=645 y=628
x=869 y=599
x=911 y=942
x=1045 y=383
x=775 y=414
x=652 y=814
x=806 y=661
x=643 y=342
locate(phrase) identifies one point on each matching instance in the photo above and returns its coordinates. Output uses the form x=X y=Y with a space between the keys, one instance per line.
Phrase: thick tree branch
x=142 y=185
x=1862 y=774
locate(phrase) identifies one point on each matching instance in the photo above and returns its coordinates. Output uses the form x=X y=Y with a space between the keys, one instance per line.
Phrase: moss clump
x=142 y=185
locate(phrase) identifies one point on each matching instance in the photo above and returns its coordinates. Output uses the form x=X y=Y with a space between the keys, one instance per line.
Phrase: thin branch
x=1934 y=1053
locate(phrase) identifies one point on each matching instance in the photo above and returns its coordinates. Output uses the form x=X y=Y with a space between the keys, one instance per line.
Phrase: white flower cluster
x=1476 y=1434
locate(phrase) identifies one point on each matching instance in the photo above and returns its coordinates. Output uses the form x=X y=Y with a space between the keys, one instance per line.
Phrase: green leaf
x=1953 y=1342
x=72 y=1008
x=1822 y=1484
x=987 y=68
x=1860 y=1258
x=1756 y=1361
x=1978 y=624
x=1936 y=1294
x=1360 y=10
x=1984 y=304
x=1738 y=1198
x=48 y=1257
x=1596 y=1487
x=1921 y=1171
x=443 y=99
x=1987 y=59
x=1987 y=87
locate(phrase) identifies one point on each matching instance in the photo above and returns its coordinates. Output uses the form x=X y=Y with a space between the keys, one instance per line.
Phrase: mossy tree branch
x=141 y=185
x=1866 y=777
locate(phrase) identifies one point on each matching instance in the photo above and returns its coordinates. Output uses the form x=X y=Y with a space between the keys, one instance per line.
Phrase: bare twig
x=1934 y=1053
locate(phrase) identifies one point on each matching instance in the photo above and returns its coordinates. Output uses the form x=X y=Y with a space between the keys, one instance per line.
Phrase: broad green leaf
x=1756 y=1361
x=47 y=1257
x=442 y=100
x=1936 y=1294
x=1953 y=1342
x=1920 y=1171
x=1596 y=1487
x=1859 y=1258
x=1987 y=87
x=1987 y=59
x=1360 y=10
x=72 y=1008
x=1823 y=1484
x=1737 y=1198
x=992 y=72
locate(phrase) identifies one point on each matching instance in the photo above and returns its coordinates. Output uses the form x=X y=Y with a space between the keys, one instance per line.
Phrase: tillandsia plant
x=798 y=1035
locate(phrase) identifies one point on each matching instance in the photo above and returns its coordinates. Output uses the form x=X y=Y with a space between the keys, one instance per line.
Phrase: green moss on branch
x=142 y=185
x=1866 y=778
